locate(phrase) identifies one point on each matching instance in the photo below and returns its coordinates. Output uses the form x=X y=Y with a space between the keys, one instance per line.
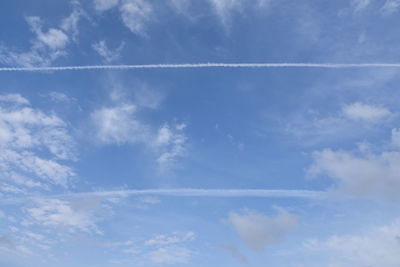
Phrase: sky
x=214 y=166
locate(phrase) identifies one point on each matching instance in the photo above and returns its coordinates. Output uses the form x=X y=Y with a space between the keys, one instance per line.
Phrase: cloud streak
x=206 y=65
x=188 y=192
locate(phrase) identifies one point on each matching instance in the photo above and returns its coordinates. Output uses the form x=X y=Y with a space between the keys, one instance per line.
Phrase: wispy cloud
x=48 y=45
x=121 y=124
x=108 y=55
x=32 y=144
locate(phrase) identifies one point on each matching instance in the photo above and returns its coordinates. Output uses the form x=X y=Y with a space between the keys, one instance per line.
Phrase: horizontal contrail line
x=188 y=192
x=185 y=192
x=206 y=65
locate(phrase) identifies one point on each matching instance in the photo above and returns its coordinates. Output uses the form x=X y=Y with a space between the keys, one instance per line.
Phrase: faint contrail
x=207 y=65
x=190 y=192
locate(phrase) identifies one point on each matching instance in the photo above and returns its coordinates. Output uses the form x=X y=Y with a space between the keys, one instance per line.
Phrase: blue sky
x=133 y=167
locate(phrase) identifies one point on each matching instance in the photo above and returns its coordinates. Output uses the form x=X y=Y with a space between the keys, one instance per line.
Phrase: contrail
x=205 y=65
x=189 y=192
x=186 y=192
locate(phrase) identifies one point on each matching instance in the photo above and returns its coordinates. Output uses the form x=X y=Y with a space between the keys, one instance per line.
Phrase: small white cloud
x=174 y=239
x=224 y=9
x=14 y=98
x=259 y=231
x=378 y=246
x=359 y=5
x=360 y=173
x=70 y=23
x=53 y=38
x=59 y=97
x=171 y=143
x=108 y=55
x=131 y=250
x=102 y=5
x=78 y=216
x=149 y=200
x=396 y=137
x=391 y=6
x=136 y=14
x=364 y=112
x=170 y=255
x=119 y=125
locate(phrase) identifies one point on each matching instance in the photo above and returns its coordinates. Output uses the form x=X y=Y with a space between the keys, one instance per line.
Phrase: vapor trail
x=185 y=192
x=206 y=65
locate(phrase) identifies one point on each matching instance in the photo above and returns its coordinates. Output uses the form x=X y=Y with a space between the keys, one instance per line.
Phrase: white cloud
x=136 y=14
x=70 y=23
x=171 y=142
x=106 y=53
x=61 y=214
x=391 y=6
x=378 y=246
x=14 y=98
x=362 y=172
x=170 y=255
x=47 y=45
x=223 y=8
x=359 y=5
x=102 y=5
x=53 y=38
x=119 y=125
x=259 y=231
x=27 y=162
x=167 y=240
x=31 y=143
x=396 y=137
x=364 y=112
x=59 y=97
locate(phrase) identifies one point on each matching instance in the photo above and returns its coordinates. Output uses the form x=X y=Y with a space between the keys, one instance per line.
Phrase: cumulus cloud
x=364 y=112
x=258 y=231
x=377 y=246
x=108 y=55
x=360 y=172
